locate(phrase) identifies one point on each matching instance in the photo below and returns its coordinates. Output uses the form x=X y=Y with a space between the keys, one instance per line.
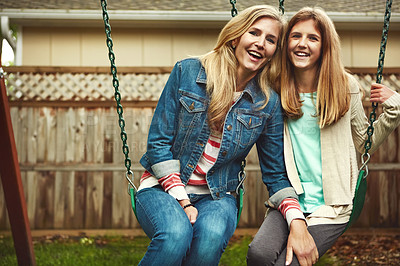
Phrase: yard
x=361 y=248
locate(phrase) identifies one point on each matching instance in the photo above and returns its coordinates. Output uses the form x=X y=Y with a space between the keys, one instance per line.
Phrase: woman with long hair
x=324 y=127
x=212 y=111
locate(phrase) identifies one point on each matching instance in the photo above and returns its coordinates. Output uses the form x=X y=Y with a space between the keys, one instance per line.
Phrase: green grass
x=235 y=252
x=81 y=251
x=110 y=250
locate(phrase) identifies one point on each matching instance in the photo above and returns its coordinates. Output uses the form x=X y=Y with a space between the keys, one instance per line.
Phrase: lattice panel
x=79 y=86
x=133 y=87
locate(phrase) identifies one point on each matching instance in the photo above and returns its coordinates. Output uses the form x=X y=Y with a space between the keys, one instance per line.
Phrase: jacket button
x=191 y=107
x=229 y=127
x=191 y=166
x=224 y=153
x=217 y=194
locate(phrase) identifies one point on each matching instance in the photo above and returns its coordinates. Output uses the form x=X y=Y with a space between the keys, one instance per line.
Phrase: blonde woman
x=325 y=125
x=213 y=109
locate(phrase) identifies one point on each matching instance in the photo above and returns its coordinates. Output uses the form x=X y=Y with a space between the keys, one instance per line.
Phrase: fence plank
x=32 y=181
x=80 y=200
x=69 y=191
x=95 y=153
x=44 y=217
x=60 y=180
x=21 y=138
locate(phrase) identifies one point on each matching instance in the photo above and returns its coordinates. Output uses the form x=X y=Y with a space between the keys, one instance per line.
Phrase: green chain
x=117 y=94
x=281 y=6
x=372 y=116
x=234 y=11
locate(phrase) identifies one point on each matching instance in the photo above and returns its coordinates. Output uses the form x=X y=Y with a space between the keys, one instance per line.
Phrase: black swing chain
x=372 y=116
x=117 y=94
x=234 y=11
x=281 y=6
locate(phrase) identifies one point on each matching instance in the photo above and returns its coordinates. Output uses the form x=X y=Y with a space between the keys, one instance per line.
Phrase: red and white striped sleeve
x=290 y=209
x=170 y=181
x=173 y=185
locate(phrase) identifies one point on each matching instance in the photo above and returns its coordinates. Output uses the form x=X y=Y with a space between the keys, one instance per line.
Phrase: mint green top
x=305 y=137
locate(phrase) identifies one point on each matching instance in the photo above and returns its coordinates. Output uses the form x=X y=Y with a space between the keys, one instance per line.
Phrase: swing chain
x=117 y=94
x=234 y=11
x=372 y=117
x=241 y=177
x=384 y=40
x=281 y=6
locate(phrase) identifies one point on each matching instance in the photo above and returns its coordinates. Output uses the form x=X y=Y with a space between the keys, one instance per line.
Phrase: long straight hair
x=221 y=64
x=333 y=98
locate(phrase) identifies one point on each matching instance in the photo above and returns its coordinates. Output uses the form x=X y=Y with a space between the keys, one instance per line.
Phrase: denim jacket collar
x=251 y=87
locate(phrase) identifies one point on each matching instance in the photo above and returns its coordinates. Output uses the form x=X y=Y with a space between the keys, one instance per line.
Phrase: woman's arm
x=162 y=131
x=383 y=125
x=163 y=128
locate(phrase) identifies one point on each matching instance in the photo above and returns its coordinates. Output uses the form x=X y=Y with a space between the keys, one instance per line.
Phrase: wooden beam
x=12 y=184
x=373 y=70
x=55 y=69
x=112 y=167
x=149 y=70
x=85 y=104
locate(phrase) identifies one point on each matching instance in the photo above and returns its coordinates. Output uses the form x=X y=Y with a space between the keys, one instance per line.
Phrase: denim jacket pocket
x=193 y=106
x=249 y=127
x=192 y=109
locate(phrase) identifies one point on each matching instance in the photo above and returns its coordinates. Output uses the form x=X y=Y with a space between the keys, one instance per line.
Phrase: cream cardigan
x=339 y=143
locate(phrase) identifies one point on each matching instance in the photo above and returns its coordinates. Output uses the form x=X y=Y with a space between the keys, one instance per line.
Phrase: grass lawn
x=109 y=250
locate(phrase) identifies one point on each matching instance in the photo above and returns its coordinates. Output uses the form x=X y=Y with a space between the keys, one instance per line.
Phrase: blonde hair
x=333 y=99
x=221 y=63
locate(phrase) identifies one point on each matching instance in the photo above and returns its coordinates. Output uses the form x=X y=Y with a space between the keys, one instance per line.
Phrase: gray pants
x=269 y=245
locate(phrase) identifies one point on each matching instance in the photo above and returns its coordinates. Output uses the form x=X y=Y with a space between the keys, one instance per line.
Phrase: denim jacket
x=179 y=132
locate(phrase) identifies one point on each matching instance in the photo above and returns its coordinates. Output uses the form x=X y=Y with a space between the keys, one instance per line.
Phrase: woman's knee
x=260 y=255
x=208 y=245
x=173 y=240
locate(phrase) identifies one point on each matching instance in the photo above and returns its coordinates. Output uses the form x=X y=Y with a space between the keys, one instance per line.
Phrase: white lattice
x=99 y=87
x=79 y=86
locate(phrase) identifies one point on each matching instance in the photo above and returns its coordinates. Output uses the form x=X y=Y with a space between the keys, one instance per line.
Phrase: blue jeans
x=174 y=240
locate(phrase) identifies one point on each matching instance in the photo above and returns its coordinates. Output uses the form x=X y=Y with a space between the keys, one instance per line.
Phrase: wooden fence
x=73 y=173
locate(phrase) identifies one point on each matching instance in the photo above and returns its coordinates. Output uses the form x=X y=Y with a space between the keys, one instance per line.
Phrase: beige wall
x=132 y=47
x=361 y=48
x=153 y=47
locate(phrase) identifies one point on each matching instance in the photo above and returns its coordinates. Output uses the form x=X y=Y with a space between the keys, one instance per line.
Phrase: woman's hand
x=380 y=93
x=302 y=244
x=190 y=211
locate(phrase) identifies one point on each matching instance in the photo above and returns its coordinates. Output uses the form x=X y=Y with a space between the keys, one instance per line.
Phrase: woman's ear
x=235 y=42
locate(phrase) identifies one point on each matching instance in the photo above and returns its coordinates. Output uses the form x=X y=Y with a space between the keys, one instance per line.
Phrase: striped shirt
x=207 y=160
x=197 y=183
